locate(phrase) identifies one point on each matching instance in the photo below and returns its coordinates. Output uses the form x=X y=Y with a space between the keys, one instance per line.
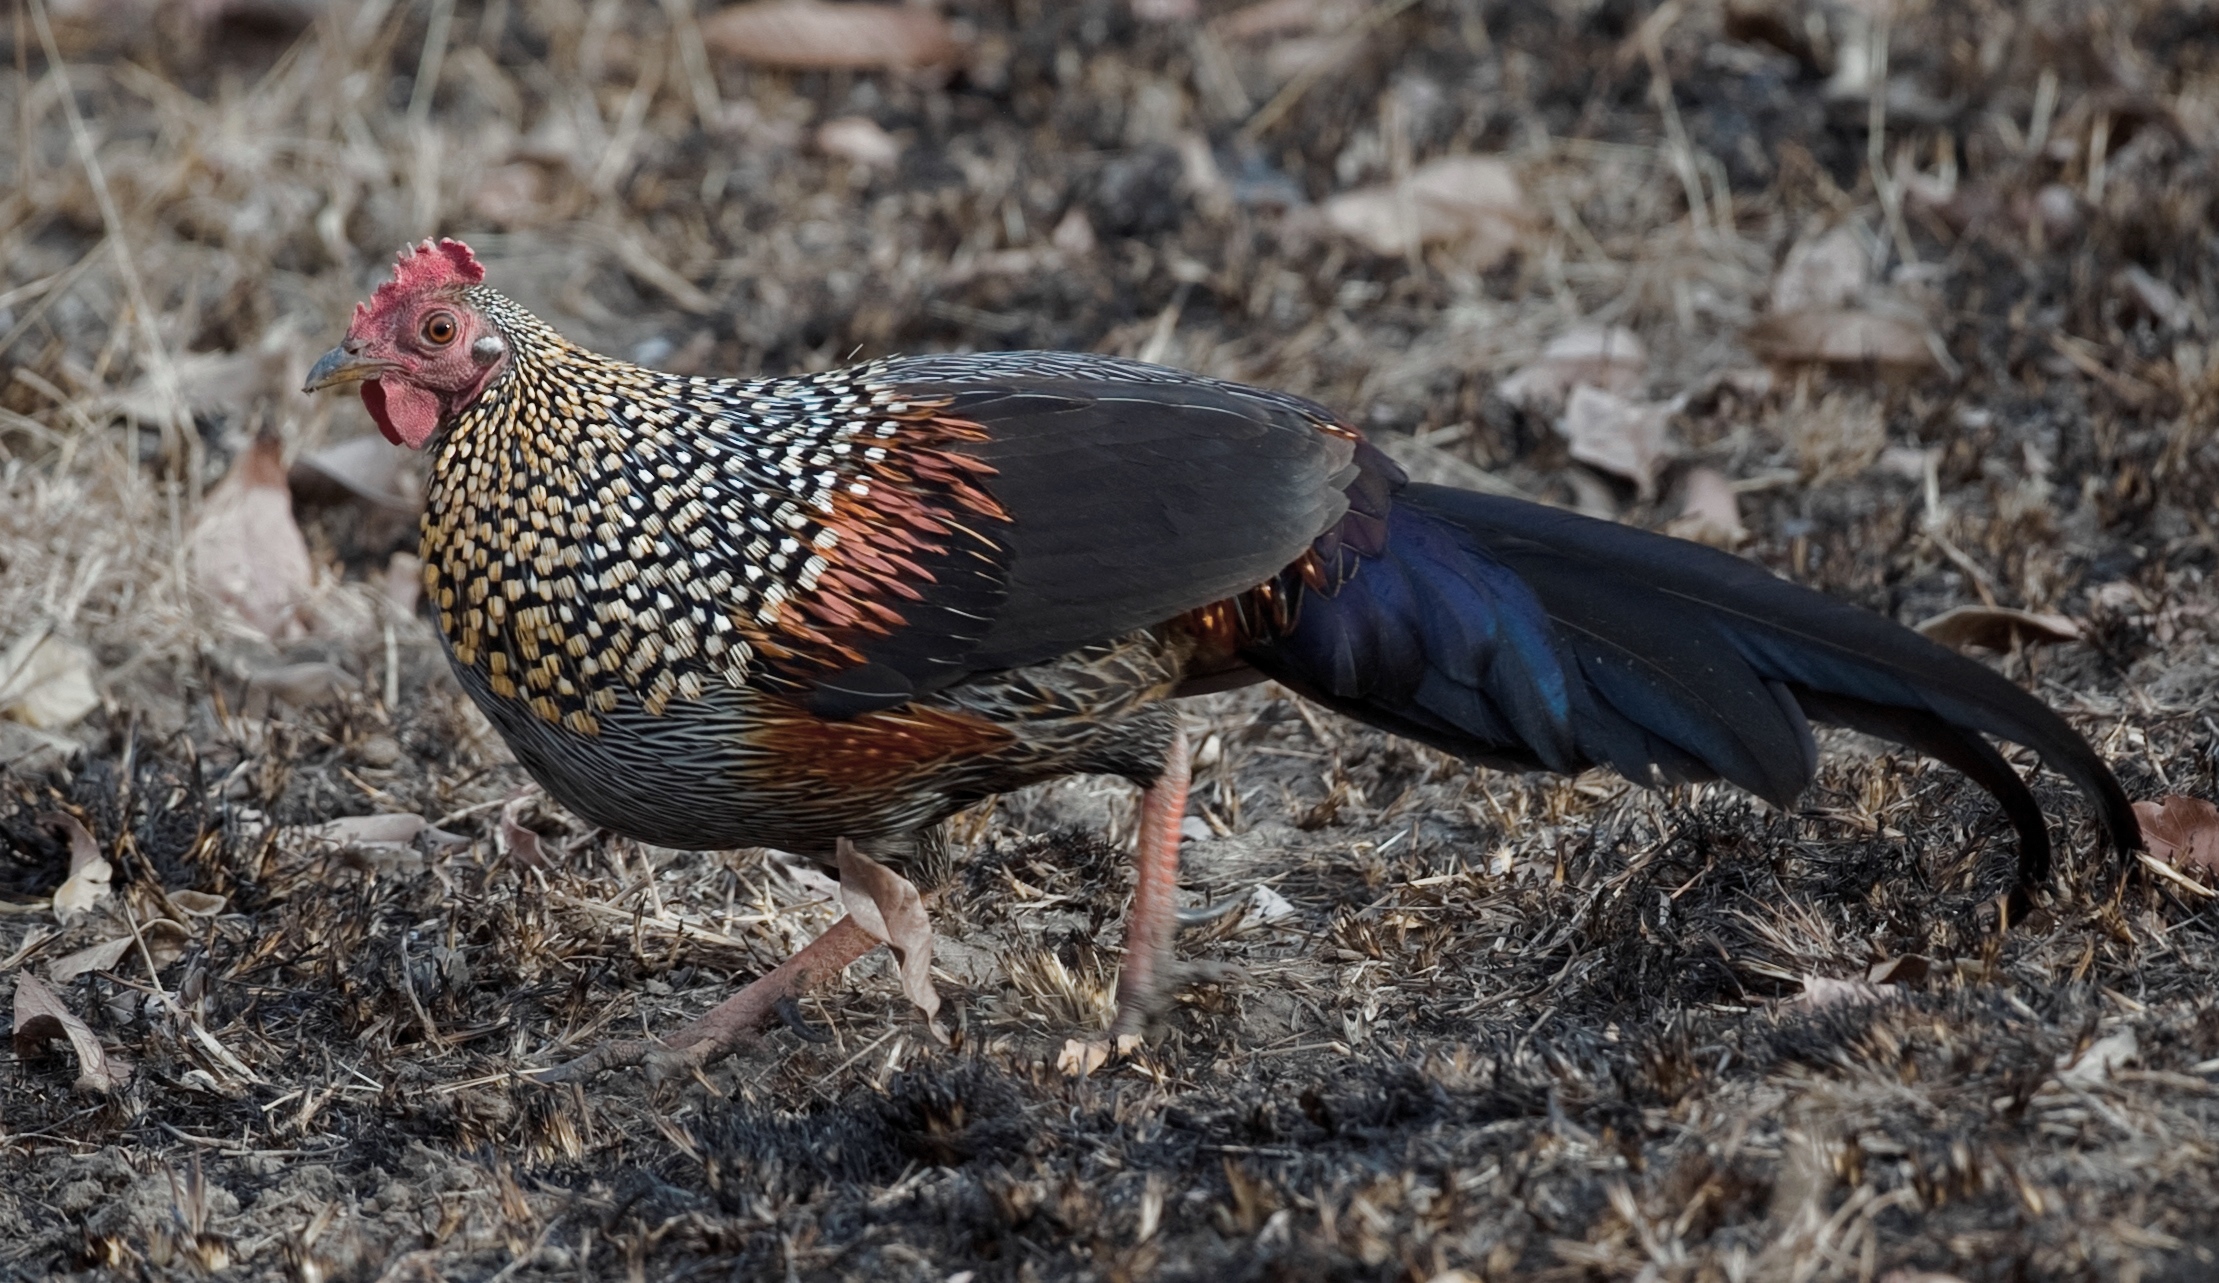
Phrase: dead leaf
x=1078 y=1059
x=368 y=468
x=2182 y=831
x=859 y=140
x=370 y=832
x=40 y=1017
x=404 y=582
x=1625 y=438
x=354 y=829
x=810 y=34
x=166 y=939
x=1822 y=273
x=1710 y=511
x=1904 y=969
x=524 y=845
x=198 y=904
x=1432 y=465
x=1166 y=10
x=299 y=685
x=513 y=195
x=1266 y=907
x=46 y=681
x=1074 y=234
x=1610 y=357
x=1284 y=17
x=246 y=551
x=100 y=957
x=1821 y=992
x=806 y=875
x=887 y=905
x=1473 y=200
x=24 y=749
x=89 y=873
x=2099 y=1059
x=1997 y=627
x=1842 y=337
x=1919 y=1276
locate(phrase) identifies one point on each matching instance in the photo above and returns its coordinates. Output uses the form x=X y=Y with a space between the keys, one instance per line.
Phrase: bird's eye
x=439 y=328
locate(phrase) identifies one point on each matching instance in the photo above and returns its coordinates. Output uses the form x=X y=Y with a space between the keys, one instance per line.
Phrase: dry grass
x=1511 y=1027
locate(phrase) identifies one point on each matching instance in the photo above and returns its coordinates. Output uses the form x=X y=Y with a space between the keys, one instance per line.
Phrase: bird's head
x=421 y=351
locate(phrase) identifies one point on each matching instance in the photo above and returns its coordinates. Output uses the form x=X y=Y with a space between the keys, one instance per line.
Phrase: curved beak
x=340 y=366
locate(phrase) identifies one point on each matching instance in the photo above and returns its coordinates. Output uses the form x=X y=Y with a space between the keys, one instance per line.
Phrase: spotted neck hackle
x=593 y=526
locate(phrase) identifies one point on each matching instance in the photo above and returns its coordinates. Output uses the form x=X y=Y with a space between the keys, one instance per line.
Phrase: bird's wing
x=1128 y=494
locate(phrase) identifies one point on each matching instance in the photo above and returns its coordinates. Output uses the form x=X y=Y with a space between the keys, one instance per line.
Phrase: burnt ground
x=1483 y=1026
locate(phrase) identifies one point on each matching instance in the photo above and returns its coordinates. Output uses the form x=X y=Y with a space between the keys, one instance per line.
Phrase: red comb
x=426 y=267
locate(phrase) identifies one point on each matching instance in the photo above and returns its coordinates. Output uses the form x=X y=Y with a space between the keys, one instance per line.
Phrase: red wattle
x=373 y=399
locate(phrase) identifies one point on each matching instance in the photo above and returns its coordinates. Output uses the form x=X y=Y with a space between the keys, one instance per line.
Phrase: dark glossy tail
x=1520 y=635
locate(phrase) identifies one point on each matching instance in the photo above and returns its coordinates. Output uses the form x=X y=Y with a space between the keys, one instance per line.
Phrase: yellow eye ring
x=439 y=328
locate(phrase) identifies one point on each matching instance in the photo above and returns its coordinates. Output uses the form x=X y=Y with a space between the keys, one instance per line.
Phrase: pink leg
x=1154 y=917
x=723 y=1026
x=722 y=1029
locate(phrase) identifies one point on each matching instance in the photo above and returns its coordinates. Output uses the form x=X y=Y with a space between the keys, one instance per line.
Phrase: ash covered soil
x=1914 y=305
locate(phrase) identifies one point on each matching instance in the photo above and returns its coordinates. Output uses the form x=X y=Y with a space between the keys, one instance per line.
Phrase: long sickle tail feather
x=1525 y=636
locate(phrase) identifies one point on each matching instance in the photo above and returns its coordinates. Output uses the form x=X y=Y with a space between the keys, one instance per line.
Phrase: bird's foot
x=727 y=1026
x=883 y=907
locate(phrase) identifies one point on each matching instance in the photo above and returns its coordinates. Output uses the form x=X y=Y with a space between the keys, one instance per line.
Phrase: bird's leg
x=1154 y=917
x=883 y=907
x=723 y=1028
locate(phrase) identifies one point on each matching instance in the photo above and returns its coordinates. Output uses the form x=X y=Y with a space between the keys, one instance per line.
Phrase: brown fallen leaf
x=198 y=904
x=1822 y=273
x=46 y=681
x=1284 y=17
x=524 y=845
x=166 y=940
x=1626 y=438
x=89 y=873
x=298 y=685
x=1080 y=1058
x=1610 y=357
x=1074 y=233
x=1997 y=627
x=1903 y=969
x=2087 y=1066
x=1710 y=511
x=40 y=1018
x=1822 y=992
x=368 y=467
x=887 y=905
x=99 y=957
x=373 y=830
x=2182 y=831
x=247 y=553
x=1842 y=337
x=1473 y=200
x=1165 y=10
x=512 y=195
x=859 y=140
x=404 y=582
x=809 y=34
